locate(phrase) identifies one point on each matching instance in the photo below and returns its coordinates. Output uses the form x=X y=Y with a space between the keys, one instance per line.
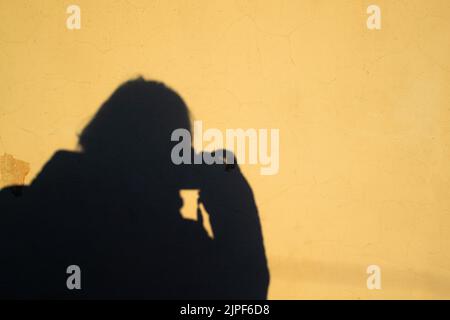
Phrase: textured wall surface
x=364 y=118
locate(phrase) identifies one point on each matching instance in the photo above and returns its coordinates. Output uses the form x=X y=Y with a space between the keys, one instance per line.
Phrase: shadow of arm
x=237 y=232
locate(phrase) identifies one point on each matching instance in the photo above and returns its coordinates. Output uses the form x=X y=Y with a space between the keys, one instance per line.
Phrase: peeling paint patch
x=12 y=171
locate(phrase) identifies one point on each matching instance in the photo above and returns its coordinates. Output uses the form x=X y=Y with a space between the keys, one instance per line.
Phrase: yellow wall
x=364 y=117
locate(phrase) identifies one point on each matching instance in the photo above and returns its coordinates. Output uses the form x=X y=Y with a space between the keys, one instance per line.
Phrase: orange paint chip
x=12 y=171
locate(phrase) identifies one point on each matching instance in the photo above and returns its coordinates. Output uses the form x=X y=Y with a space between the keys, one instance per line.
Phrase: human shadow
x=113 y=209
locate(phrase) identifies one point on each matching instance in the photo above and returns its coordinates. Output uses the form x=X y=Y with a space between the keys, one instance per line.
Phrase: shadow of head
x=135 y=124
